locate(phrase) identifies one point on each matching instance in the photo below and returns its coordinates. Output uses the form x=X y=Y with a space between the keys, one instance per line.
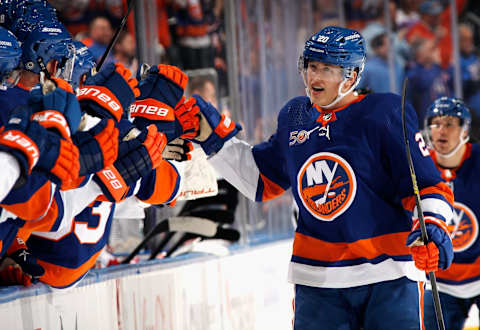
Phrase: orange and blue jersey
x=462 y=279
x=69 y=252
x=348 y=172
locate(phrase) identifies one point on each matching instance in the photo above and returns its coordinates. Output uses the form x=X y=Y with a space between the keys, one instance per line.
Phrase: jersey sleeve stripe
x=370 y=248
x=432 y=220
x=35 y=207
x=435 y=207
x=166 y=184
x=461 y=272
x=440 y=190
x=268 y=189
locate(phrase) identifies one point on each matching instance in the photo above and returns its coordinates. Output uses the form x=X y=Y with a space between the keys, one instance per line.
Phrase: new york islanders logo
x=463 y=227
x=326 y=185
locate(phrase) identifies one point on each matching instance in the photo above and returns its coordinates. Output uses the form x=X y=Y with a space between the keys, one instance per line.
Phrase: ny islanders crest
x=463 y=227
x=326 y=185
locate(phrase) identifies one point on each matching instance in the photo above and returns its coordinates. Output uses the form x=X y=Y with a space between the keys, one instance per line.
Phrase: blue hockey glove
x=438 y=253
x=137 y=157
x=23 y=138
x=33 y=146
x=98 y=146
x=109 y=93
x=161 y=90
x=21 y=255
x=58 y=109
x=215 y=129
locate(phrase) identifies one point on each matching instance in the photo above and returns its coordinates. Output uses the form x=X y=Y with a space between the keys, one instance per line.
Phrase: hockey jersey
x=68 y=253
x=348 y=172
x=462 y=279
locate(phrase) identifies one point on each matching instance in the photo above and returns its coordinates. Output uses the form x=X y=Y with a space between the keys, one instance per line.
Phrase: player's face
x=323 y=81
x=445 y=132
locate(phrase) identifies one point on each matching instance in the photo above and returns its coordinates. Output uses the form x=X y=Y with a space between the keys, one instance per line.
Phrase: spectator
x=470 y=66
x=427 y=79
x=205 y=87
x=376 y=74
x=430 y=27
x=125 y=51
x=99 y=35
x=195 y=45
x=407 y=13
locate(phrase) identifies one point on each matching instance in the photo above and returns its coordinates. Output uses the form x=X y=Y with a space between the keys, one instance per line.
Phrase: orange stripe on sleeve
x=43 y=225
x=312 y=248
x=460 y=272
x=440 y=188
x=60 y=276
x=270 y=189
x=35 y=207
x=165 y=183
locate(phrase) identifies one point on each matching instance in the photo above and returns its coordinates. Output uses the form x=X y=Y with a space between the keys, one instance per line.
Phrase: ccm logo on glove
x=101 y=95
x=18 y=140
x=152 y=109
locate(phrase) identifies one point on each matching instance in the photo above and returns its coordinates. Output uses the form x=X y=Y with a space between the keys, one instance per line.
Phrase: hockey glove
x=58 y=109
x=438 y=253
x=136 y=158
x=109 y=93
x=98 y=146
x=161 y=91
x=30 y=270
x=23 y=138
x=59 y=161
x=215 y=129
x=178 y=149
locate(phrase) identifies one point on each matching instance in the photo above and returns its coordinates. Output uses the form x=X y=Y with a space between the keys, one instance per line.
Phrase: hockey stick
x=228 y=234
x=115 y=36
x=198 y=226
x=433 y=279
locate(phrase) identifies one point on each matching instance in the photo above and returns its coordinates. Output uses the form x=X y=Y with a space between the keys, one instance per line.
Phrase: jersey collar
x=448 y=174
x=326 y=116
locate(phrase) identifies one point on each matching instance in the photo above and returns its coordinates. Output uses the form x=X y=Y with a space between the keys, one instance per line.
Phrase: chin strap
x=340 y=95
x=460 y=144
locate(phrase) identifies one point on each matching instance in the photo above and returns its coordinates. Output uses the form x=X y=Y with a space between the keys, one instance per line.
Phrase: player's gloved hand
x=59 y=161
x=30 y=270
x=23 y=138
x=33 y=146
x=109 y=93
x=187 y=114
x=215 y=129
x=98 y=146
x=58 y=109
x=137 y=157
x=161 y=91
x=179 y=150
x=438 y=253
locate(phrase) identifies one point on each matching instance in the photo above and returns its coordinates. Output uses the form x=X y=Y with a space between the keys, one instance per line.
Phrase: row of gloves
x=158 y=99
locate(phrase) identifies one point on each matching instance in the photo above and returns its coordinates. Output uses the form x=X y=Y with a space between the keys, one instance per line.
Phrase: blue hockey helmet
x=84 y=63
x=337 y=46
x=49 y=41
x=449 y=106
x=10 y=53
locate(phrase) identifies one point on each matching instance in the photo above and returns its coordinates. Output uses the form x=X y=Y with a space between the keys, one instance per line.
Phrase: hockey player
x=68 y=254
x=344 y=158
x=447 y=127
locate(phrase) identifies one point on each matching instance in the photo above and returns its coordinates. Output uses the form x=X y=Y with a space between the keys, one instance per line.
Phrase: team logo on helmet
x=463 y=227
x=326 y=185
